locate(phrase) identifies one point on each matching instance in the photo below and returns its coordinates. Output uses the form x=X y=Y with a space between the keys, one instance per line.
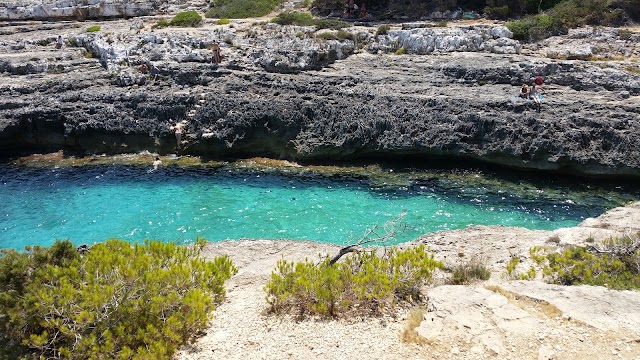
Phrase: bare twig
x=378 y=235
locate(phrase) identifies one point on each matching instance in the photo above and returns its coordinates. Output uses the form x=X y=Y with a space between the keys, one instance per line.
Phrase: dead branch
x=376 y=235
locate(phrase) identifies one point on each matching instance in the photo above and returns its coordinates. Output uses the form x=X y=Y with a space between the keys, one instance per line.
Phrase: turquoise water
x=92 y=204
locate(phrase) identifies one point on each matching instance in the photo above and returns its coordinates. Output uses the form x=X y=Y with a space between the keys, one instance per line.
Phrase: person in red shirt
x=539 y=82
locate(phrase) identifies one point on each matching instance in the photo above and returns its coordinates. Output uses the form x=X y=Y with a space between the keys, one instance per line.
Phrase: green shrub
x=497 y=12
x=223 y=21
x=466 y=272
x=117 y=301
x=305 y=19
x=327 y=36
x=614 y=263
x=330 y=24
x=162 y=23
x=364 y=282
x=189 y=18
x=73 y=42
x=441 y=24
x=241 y=9
x=383 y=30
x=93 y=28
x=624 y=34
x=401 y=51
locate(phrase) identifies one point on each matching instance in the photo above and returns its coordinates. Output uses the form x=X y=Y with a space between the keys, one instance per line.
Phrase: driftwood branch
x=378 y=235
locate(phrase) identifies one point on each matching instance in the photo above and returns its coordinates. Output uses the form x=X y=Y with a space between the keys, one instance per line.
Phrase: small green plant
x=497 y=12
x=294 y=18
x=466 y=272
x=116 y=301
x=401 y=51
x=365 y=282
x=223 y=21
x=327 y=36
x=482 y=82
x=73 y=41
x=44 y=42
x=189 y=18
x=512 y=265
x=383 y=30
x=441 y=24
x=93 y=28
x=330 y=24
x=162 y=23
x=625 y=34
x=241 y=9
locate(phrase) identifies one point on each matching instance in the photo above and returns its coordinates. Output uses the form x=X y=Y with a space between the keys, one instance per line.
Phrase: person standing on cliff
x=177 y=128
x=215 y=49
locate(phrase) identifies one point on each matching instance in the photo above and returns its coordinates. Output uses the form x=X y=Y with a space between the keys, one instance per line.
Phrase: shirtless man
x=177 y=128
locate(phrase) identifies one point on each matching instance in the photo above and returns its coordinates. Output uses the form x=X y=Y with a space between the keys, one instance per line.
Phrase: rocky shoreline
x=498 y=318
x=294 y=93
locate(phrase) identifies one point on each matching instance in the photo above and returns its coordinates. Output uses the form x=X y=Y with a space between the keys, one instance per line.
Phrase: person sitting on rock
x=539 y=82
x=524 y=91
x=143 y=68
x=533 y=94
x=59 y=42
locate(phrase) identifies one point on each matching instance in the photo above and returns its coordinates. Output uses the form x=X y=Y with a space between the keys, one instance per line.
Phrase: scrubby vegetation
x=306 y=19
x=241 y=9
x=162 y=23
x=189 y=18
x=467 y=272
x=614 y=263
x=93 y=28
x=117 y=301
x=365 y=282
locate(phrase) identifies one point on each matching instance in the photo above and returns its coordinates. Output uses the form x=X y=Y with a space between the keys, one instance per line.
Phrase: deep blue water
x=95 y=203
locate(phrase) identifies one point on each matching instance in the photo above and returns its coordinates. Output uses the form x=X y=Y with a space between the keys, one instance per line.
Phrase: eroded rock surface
x=291 y=92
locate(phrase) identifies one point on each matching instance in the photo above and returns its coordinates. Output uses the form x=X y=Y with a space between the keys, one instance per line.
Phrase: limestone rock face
x=428 y=40
x=74 y=9
x=288 y=92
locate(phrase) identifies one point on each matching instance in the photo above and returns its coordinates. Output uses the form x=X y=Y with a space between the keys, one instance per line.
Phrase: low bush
x=189 y=18
x=306 y=19
x=383 y=30
x=466 y=272
x=364 y=282
x=497 y=12
x=614 y=263
x=294 y=18
x=162 y=23
x=223 y=21
x=401 y=51
x=117 y=301
x=241 y=9
x=93 y=28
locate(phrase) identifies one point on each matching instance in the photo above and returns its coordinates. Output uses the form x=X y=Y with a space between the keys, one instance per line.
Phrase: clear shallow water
x=92 y=204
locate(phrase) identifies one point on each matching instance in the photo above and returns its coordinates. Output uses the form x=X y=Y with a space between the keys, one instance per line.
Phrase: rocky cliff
x=296 y=93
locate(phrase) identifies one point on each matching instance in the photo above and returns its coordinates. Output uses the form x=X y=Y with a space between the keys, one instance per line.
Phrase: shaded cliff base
x=494 y=319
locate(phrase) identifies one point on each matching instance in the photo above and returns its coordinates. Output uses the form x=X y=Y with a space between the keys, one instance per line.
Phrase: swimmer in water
x=157 y=163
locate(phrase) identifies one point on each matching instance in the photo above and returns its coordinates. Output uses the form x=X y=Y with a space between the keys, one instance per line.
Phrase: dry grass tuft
x=535 y=307
x=409 y=333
